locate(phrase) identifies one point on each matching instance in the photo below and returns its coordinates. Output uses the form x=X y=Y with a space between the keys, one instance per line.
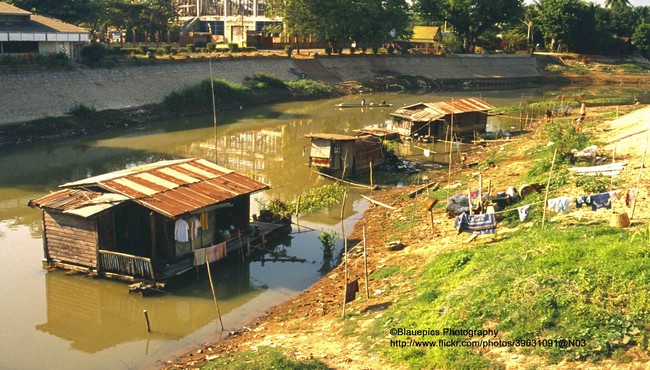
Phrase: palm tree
x=614 y=4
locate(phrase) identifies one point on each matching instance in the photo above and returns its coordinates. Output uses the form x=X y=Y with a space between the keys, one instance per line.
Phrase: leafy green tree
x=365 y=21
x=616 y=4
x=71 y=11
x=471 y=18
x=641 y=38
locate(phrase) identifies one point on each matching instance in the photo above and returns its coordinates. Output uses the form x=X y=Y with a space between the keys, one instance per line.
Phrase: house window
x=241 y=7
x=337 y=148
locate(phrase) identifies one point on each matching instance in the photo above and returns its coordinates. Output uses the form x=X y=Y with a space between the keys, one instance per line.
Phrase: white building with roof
x=24 y=32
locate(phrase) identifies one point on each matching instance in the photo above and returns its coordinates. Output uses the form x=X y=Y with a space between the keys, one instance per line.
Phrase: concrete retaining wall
x=435 y=67
x=32 y=95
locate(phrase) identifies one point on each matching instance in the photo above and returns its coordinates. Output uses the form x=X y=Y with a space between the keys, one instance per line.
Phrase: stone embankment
x=32 y=95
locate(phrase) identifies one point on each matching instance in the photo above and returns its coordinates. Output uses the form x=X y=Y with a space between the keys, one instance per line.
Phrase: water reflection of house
x=94 y=315
x=435 y=119
x=245 y=152
x=152 y=222
x=342 y=155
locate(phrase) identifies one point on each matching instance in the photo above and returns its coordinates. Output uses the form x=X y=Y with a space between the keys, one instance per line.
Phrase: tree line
x=511 y=25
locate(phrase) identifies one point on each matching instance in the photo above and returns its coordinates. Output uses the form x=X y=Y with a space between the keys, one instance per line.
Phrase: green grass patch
x=385 y=272
x=633 y=69
x=264 y=358
x=589 y=284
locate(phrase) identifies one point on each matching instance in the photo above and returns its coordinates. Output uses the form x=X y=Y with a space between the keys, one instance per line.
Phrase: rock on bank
x=32 y=95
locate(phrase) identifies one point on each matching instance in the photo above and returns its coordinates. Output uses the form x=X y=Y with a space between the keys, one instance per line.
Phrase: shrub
x=80 y=110
x=328 y=50
x=288 y=49
x=92 y=54
x=167 y=49
x=143 y=49
x=232 y=47
x=211 y=46
x=191 y=48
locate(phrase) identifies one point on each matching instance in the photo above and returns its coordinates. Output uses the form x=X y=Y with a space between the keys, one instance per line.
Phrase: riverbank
x=438 y=279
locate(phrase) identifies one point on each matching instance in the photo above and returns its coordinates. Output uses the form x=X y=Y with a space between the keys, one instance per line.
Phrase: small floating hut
x=342 y=155
x=151 y=223
x=434 y=120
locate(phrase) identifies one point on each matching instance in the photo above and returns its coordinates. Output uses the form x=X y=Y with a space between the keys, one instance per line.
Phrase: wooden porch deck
x=234 y=246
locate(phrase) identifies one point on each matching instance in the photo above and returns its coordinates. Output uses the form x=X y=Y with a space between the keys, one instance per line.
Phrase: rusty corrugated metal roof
x=427 y=112
x=170 y=188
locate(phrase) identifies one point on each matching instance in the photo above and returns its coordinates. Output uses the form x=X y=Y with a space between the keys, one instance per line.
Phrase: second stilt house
x=435 y=120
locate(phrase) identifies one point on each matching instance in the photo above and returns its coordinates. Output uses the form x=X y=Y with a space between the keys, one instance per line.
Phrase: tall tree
x=617 y=4
x=71 y=11
x=641 y=38
x=471 y=18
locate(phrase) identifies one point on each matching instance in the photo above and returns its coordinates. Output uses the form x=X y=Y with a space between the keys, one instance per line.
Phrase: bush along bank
x=193 y=100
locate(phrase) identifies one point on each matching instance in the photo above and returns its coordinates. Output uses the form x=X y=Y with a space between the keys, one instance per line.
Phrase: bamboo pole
x=345 y=265
x=365 y=263
x=469 y=198
x=146 y=317
x=345 y=196
x=548 y=184
x=214 y=294
x=638 y=183
x=371 y=186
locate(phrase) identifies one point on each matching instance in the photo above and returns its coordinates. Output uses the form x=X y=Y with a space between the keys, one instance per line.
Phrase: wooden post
x=365 y=262
x=146 y=317
x=241 y=246
x=638 y=183
x=345 y=196
x=214 y=294
x=548 y=183
x=469 y=198
x=371 y=174
x=345 y=264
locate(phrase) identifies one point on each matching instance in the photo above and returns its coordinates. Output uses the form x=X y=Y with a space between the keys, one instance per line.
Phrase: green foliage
x=310 y=88
x=328 y=239
x=265 y=358
x=232 y=47
x=386 y=272
x=211 y=46
x=641 y=38
x=566 y=136
x=633 y=69
x=578 y=283
x=263 y=82
x=191 y=48
x=277 y=207
x=198 y=98
x=594 y=184
x=321 y=197
x=93 y=54
x=288 y=49
x=81 y=111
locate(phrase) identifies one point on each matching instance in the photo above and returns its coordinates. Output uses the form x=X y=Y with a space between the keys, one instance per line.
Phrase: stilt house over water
x=435 y=119
x=146 y=223
x=343 y=155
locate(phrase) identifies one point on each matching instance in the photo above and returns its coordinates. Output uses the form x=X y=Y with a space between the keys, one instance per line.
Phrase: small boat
x=362 y=105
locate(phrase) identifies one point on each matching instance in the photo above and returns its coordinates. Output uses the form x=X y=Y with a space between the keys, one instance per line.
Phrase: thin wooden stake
x=548 y=183
x=146 y=317
x=365 y=263
x=345 y=196
x=345 y=264
x=214 y=294
x=638 y=183
x=371 y=174
x=241 y=246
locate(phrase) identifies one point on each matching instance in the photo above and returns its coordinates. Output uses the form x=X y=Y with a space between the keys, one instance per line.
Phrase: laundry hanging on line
x=476 y=224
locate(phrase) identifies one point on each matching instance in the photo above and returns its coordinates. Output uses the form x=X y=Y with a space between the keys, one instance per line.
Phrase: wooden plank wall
x=71 y=239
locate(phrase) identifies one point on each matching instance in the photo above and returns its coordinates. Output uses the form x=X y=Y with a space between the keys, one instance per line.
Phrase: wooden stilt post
x=365 y=263
x=146 y=317
x=345 y=196
x=371 y=186
x=241 y=246
x=548 y=184
x=345 y=264
x=214 y=294
x=638 y=183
